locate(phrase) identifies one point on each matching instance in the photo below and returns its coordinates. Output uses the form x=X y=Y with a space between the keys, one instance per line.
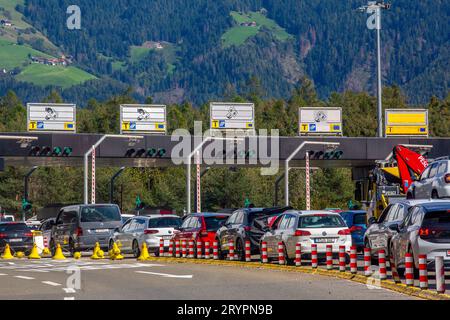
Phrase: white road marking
x=166 y=275
x=50 y=283
x=24 y=277
x=69 y=290
x=3 y=274
x=69 y=298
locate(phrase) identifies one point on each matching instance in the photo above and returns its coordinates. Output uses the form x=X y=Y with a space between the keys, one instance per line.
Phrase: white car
x=308 y=227
x=7 y=218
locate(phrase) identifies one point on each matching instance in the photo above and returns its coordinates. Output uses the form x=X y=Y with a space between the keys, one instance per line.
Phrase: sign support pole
x=308 y=194
x=93 y=176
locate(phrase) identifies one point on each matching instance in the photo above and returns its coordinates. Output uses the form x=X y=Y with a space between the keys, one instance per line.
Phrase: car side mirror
x=372 y=220
x=394 y=227
x=118 y=229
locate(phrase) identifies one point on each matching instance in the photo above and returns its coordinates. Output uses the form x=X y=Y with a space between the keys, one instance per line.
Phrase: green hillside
x=238 y=34
x=13 y=55
x=43 y=75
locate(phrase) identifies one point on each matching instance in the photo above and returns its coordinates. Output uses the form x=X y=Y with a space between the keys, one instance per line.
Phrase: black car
x=18 y=235
x=246 y=224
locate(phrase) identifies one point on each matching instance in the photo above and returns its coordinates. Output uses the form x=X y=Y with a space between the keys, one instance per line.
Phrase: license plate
x=101 y=230
x=167 y=237
x=15 y=240
x=448 y=253
x=324 y=240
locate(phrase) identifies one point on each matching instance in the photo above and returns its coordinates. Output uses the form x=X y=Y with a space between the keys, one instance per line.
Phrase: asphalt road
x=129 y=279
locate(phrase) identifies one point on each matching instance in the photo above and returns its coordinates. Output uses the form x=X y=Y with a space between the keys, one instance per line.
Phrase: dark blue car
x=356 y=221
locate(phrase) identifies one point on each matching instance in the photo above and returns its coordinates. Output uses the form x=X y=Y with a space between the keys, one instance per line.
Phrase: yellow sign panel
x=215 y=124
x=69 y=126
x=304 y=127
x=32 y=125
x=249 y=125
x=407 y=130
x=160 y=127
x=125 y=125
x=407 y=118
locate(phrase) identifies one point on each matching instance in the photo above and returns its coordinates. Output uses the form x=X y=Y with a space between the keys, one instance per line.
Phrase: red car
x=200 y=226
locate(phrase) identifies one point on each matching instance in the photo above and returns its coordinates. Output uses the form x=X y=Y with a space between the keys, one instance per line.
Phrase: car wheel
x=52 y=247
x=373 y=259
x=71 y=247
x=111 y=245
x=136 y=250
x=240 y=252
x=434 y=195
x=220 y=253
x=415 y=270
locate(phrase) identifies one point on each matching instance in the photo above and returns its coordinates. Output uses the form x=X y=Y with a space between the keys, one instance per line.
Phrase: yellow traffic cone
x=46 y=252
x=34 y=253
x=144 y=253
x=77 y=255
x=58 y=253
x=116 y=253
x=95 y=255
x=7 y=253
x=100 y=254
x=20 y=254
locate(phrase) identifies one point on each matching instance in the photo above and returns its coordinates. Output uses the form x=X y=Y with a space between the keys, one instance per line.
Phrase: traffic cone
x=100 y=254
x=46 y=252
x=20 y=254
x=58 y=253
x=77 y=255
x=95 y=254
x=34 y=253
x=115 y=253
x=7 y=253
x=144 y=253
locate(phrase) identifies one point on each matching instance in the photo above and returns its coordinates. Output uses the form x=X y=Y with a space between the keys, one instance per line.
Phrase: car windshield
x=213 y=223
x=439 y=219
x=6 y=219
x=165 y=222
x=100 y=214
x=321 y=221
x=359 y=219
x=14 y=227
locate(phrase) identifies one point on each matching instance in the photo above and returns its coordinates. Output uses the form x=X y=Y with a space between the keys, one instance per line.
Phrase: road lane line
x=50 y=283
x=3 y=274
x=166 y=275
x=24 y=277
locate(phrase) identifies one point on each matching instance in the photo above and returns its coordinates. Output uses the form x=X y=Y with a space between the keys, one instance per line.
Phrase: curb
x=385 y=284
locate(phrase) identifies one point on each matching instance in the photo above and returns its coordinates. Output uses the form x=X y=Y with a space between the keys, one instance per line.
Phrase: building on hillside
x=50 y=61
x=6 y=23
x=248 y=24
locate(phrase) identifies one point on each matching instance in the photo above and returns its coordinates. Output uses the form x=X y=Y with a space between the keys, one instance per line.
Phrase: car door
x=270 y=237
x=279 y=232
x=428 y=184
x=62 y=228
x=225 y=231
x=406 y=228
x=126 y=236
x=374 y=230
x=120 y=235
x=384 y=232
x=288 y=235
x=418 y=191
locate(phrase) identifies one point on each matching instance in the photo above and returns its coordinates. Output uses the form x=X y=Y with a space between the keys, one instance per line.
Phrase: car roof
x=209 y=214
x=435 y=205
x=312 y=212
x=354 y=211
x=154 y=216
x=413 y=202
x=12 y=222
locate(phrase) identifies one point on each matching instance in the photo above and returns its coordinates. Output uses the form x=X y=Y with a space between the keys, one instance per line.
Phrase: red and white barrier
x=298 y=254
x=329 y=256
x=264 y=258
x=382 y=265
x=409 y=269
x=161 y=247
x=199 y=250
x=440 y=274
x=367 y=262
x=231 y=250
x=342 y=265
x=215 y=250
x=191 y=249
x=281 y=257
x=177 y=249
x=248 y=254
x=423 y=273
x=207 y=250
x=171 y=244
x=314 y=260
x=184 y=248
x=353 y=260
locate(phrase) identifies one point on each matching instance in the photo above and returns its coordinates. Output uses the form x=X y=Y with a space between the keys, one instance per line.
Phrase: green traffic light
x=57 y=151
x=67 y=151
x=151 y=152
x=161 y=152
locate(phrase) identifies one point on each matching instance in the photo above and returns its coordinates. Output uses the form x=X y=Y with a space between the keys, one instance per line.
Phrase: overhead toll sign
x=51 y=117
x=406 y=122
x=320 y=121
x=143 y=118
x=232 y=116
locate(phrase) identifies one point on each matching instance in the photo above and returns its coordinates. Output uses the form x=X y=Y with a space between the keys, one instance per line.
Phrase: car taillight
x=247 y=228
x=344 y=232
x=2 y=235
x=28 y=234
x=150 y=231
x=203 y=233
x=79 y=232
x=302 y=233
x=447 y=178
x=355 y=228
x=424 y=232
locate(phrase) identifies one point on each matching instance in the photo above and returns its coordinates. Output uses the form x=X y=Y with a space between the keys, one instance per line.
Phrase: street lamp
x=374 y=22
x=86 y=157
x=293 y=154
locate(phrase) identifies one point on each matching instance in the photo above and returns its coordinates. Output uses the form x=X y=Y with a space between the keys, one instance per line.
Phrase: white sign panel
x=142 y=118
x=232 y=116
x=317 y=121
x=51 y=117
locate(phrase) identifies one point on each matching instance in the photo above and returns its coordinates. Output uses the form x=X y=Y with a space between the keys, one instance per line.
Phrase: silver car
x=149 y=229
x=426 y=230
x=434 y=182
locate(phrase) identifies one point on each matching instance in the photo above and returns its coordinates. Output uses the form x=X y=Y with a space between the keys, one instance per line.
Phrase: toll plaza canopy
x=61 y=149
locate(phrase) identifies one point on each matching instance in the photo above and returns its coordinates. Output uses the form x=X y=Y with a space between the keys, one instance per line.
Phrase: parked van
x=79 y=227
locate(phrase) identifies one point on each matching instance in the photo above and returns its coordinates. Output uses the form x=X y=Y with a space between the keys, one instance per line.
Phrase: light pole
x=374 y=22
x=86 y=158
x=293 y=154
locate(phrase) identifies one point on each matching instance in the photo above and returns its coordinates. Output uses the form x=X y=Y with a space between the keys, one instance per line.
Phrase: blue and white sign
x=320 y=121
x=142 y=118
x=51 y=117
x=232 y=116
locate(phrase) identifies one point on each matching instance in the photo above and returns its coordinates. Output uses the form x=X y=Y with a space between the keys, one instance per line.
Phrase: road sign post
x=308 y=194
x=143 y=118
x=199 y=189
x=320 y=121
x=93 y=176
x=51 y=117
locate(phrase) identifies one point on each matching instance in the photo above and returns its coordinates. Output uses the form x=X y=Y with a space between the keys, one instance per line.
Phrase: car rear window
x=213 y=223
x=321 y=221
x=100 y=214
x=13 y=227
x=437 y=219
x=165 y=222
x=359 y=219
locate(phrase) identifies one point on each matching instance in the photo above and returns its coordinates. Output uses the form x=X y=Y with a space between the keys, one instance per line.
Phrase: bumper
x=433 y=250
x=322 y=247
x=88 y=242
x=25 y=247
